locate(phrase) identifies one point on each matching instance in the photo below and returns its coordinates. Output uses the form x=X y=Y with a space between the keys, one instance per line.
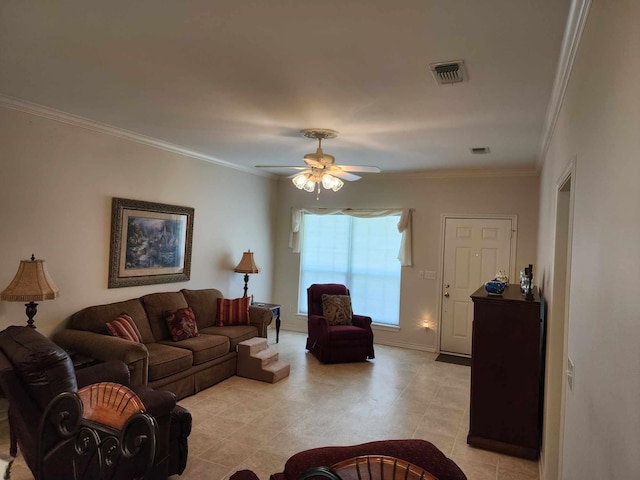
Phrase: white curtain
x=404 y=226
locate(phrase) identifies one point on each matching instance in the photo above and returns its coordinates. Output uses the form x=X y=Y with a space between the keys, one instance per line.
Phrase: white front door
x=474 y=250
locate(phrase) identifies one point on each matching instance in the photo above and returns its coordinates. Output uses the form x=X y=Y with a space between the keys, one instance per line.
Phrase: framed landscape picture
x=150 y=243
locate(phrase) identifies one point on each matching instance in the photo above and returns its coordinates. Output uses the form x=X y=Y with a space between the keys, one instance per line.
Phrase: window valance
x=404 y=226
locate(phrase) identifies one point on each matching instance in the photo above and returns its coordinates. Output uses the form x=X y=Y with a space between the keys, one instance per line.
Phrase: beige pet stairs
x=257 y=361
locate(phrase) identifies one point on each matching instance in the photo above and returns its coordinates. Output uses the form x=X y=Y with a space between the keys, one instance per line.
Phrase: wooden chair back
x=102 y=432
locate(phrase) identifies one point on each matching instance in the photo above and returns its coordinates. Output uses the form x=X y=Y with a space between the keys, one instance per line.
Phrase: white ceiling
x=235 y=80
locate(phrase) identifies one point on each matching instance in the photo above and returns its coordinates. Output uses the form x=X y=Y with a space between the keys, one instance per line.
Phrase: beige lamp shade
x=31 y=283
x=247 y=264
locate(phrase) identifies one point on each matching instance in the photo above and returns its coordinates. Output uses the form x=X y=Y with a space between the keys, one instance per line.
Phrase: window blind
x=360 y=253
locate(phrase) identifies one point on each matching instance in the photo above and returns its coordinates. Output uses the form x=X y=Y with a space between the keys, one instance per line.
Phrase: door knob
x=446 y=294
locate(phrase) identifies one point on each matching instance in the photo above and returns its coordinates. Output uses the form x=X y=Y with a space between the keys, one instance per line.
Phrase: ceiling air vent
x=479 y=150
x=449 y=72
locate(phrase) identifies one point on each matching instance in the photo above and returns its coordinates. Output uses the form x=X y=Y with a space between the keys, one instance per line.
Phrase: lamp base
x=31 y=310
x=246 y=282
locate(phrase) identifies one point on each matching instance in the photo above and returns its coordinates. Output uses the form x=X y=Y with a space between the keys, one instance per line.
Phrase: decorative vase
x=494 y=287
x=502 y=276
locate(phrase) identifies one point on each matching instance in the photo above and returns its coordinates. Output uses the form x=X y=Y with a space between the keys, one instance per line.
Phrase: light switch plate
x=571 y=370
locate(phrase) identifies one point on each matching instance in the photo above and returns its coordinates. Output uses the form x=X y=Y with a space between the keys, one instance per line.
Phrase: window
x=361 y=253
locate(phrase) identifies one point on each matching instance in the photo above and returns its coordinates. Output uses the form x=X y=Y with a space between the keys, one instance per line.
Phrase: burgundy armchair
x=417 y=452
x=421 y=453
x=336 y=343
x=34 y=371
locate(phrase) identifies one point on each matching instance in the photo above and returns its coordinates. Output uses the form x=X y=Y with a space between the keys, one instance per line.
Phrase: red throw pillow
x=124 y=327
x=233 y=312
x=182 y=323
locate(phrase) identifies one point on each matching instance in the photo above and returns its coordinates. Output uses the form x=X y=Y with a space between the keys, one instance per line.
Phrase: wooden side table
x=80 y=361
x=275 y=311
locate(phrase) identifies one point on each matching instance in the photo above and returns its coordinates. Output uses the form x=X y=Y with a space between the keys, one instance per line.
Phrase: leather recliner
x=34 y=370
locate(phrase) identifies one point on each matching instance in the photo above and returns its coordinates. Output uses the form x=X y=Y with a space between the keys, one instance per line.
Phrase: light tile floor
x=241 y=423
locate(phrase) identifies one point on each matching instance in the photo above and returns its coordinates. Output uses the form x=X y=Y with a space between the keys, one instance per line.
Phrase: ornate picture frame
x=150 y=243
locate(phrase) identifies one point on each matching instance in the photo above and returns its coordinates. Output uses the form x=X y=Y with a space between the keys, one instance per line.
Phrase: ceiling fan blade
x=297 y=167
x=349 y=177
x=359 y=168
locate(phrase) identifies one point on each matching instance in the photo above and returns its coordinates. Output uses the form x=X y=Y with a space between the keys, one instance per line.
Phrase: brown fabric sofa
x=183 y=367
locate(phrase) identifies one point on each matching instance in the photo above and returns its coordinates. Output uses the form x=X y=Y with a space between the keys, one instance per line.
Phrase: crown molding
x=452 y=173
x=578 y=13
x=457 y=173
x=7 y=101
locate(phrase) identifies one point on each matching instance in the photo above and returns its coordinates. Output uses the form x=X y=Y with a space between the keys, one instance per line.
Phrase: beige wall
x=430 y=197
x=56 y=185
x=599 y=128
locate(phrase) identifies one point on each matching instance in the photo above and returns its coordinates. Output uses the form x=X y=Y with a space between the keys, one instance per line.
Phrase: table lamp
x=31 y=283
x=247 y=265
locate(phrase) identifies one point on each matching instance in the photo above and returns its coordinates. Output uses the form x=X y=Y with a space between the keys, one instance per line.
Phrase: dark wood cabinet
x=506 y=373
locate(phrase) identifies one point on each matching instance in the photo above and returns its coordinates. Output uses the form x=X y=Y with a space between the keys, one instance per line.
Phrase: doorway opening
x=557 y=332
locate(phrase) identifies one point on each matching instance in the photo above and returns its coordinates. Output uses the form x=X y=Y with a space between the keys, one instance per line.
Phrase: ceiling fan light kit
x=332 y=183
x=320 y=167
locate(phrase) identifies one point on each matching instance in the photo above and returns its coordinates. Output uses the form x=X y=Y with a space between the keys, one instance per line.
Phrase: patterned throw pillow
x=182 y=323
x=124 y=327
x=233 y=312
x=337 y=309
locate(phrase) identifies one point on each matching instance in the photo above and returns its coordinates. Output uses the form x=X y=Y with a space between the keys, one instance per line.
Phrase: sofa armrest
x=104 y=348
x=361 y=321
x=318 y=326
x=158 y=403
x=112 y=371
x=261 y=318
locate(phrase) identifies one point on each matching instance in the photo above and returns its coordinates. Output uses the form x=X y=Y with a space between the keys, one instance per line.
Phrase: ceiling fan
x=320 y=167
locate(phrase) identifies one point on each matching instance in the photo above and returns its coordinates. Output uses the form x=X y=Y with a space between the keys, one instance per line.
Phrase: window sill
x=386 y=327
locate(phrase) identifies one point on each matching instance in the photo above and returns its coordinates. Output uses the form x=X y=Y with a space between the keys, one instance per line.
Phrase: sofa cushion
x=124 y=327
x=181 y=323
x=204 y=305
x=233 y=311
x=165 y=360
x=235 y=334
x=94 y=319
x=203 y=348
x=155 y=305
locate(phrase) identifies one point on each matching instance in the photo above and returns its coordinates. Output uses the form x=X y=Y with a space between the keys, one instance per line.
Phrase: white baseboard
x=411 y=346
